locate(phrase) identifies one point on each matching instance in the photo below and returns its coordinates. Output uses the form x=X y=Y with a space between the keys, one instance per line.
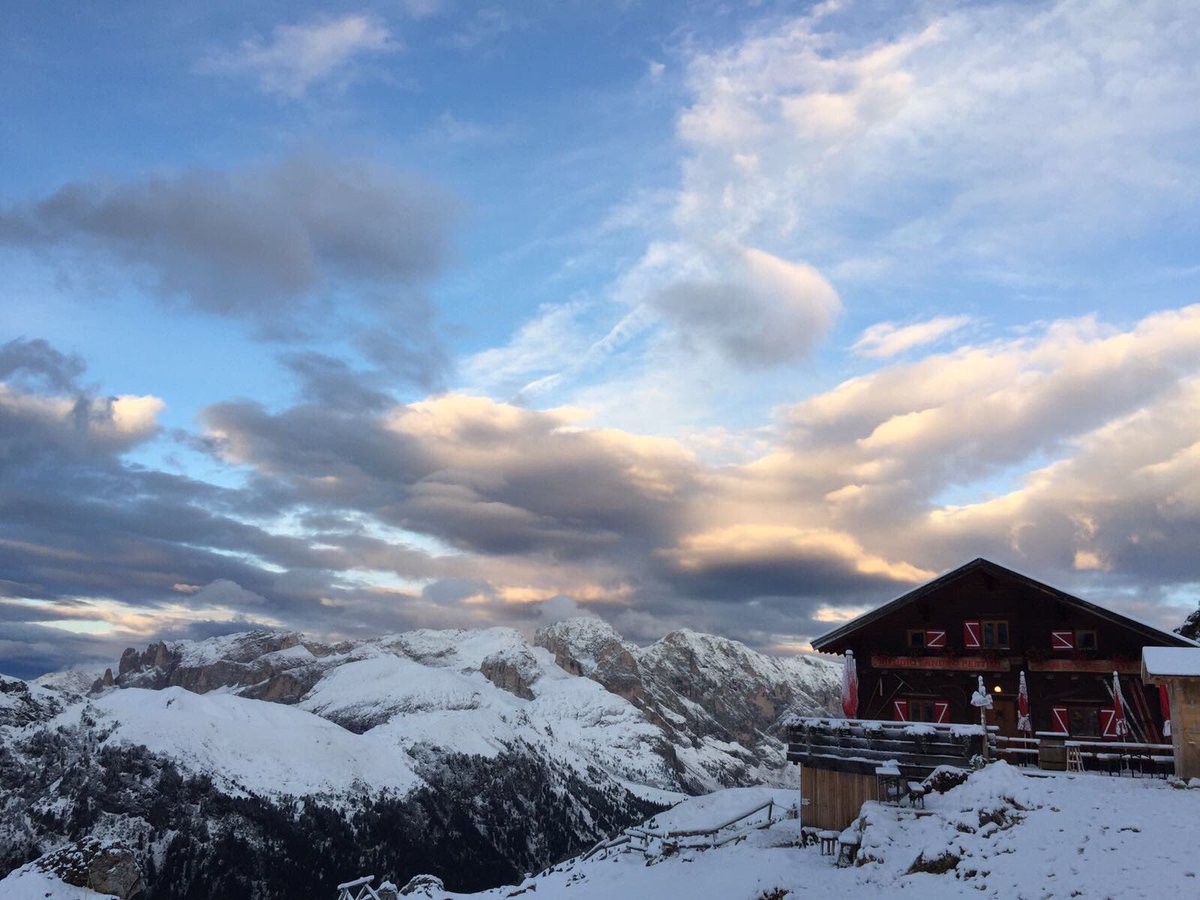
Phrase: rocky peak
x=590 y=647
x=267 y=665
x=1191 y=626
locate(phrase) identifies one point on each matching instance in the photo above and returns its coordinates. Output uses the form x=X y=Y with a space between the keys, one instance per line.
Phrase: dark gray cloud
x=328 y=381
x=481 y=476
x=307 y=246
x=34 y=362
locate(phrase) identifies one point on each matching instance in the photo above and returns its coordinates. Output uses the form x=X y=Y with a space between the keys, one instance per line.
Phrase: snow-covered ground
x=27 y=883
x=1002 y=834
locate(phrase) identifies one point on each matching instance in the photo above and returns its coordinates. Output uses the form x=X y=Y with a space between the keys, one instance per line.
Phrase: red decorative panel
x=900 y=710
x=1062 y=722
x=1108 y=722
x=935 y=639
x=941 y=711
x=1062 y=640
x=971 y=639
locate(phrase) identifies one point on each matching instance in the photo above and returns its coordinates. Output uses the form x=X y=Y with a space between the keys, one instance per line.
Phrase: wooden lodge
x=919 y=656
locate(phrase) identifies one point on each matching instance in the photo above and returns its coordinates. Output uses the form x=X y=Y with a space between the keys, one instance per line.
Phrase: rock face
x=702 y=690
x=107 y=868
x=512 y=671
x=267 y=665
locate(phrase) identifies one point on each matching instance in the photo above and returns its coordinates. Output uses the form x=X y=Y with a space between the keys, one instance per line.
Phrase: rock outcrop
x=107 y=868
x=266 y=665
x=512 y=671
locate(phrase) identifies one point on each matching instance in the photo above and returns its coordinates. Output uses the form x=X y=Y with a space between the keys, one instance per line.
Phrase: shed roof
x=1171 y=662
x=995 y=569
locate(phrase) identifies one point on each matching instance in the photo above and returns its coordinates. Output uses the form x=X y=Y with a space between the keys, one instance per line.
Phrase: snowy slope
x=1004 y=834
x=250 y=746
x=27 y=883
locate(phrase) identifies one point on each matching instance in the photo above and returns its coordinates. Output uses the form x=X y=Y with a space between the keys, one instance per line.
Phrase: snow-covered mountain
x=474 y=753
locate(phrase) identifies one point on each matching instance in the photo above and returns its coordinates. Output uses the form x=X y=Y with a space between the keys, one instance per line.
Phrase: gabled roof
x=991 y=568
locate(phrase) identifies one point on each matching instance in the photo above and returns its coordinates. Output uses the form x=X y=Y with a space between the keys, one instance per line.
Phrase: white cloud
x=977 y=132
x=296 y=57
x=889 y=339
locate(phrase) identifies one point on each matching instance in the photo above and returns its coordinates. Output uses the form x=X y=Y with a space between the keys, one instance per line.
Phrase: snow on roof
x=1171 y=661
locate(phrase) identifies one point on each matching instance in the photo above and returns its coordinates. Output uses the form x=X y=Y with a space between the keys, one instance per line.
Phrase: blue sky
x=363 y=316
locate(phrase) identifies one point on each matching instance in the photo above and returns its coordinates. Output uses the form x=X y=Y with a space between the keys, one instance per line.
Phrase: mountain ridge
x=590 y=732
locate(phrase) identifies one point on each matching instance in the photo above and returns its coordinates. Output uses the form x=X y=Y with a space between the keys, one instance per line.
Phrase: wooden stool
x=828 y=841
x=847 y=849
x=916 y=794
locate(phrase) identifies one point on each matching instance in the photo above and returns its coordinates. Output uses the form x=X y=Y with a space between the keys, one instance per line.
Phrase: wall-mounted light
x=996 y=689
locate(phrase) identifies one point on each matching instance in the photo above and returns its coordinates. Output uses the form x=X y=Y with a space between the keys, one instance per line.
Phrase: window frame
x=1079 y=632
x=994 y=624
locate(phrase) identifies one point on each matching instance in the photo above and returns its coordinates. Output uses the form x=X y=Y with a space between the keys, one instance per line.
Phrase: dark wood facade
x=919 y=656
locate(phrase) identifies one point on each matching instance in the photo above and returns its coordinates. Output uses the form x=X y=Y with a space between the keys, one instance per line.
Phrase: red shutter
x=1062 y=640
x=1062 y=721
x=935 y=639
x=941 y=711
x=900 y=710
x=971 y=639
x=1108 y=722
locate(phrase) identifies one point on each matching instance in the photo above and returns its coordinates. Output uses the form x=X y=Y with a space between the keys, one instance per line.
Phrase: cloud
x=328 y=381
x=889 y=339
x=22 y=360
x=296 y=57
x=757 y=310
x=964 y=135
x=1071 y=451
x=271 y=245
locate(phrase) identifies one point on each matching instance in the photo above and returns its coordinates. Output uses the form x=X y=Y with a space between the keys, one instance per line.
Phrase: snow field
x=1002 y=834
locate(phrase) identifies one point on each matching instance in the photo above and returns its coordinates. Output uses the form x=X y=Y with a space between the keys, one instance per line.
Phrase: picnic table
x=1126 y=756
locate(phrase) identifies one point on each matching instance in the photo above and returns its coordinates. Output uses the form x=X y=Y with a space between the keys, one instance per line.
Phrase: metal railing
x=647 y=841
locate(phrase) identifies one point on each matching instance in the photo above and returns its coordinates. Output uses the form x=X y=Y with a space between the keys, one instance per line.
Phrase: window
x=994 y=632
x=926 y=638
x=922 y=710
x=1085 y=639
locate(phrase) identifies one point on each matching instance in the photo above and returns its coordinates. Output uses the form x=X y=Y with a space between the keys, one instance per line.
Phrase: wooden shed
x=839 y=757
x=1178 y=670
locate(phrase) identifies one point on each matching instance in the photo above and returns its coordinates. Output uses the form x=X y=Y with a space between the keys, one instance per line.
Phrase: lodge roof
x=986 y=565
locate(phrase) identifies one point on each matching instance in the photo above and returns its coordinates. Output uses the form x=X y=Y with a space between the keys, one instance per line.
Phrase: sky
x=746 y=317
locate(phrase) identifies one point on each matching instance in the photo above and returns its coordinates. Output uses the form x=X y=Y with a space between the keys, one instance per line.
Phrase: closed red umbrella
x=850 y=687
x=1120 y=726
x=1164 y=703
x=1023 y=723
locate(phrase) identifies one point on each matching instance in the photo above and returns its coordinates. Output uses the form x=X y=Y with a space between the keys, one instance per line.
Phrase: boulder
x=101 y=866
x=423 y=886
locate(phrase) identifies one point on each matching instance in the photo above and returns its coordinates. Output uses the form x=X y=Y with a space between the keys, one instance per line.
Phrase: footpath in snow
x=1002 y=834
